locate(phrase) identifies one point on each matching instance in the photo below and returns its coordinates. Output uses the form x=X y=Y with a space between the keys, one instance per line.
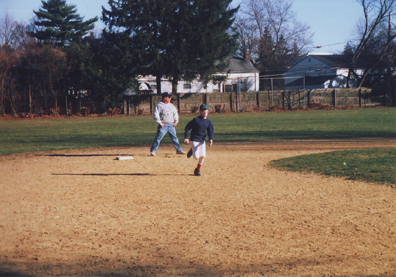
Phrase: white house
x=241 y=76
x=319 y=71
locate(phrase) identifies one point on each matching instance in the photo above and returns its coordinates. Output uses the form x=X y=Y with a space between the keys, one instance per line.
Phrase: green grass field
x=18 y=136
x=26 y=135
x=372 y=165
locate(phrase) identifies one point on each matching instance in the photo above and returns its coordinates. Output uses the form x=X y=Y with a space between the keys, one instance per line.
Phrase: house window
x=228 y=88
x=309 y=60
x=153 y=86
x=187 y=86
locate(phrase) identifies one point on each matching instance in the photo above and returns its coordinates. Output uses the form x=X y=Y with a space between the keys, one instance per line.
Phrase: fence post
x=299 y=99
x=135 y=100
x=360 y=97
x=334 y=98
x=272 y=91
x=309 y=98
x=394 y=92
x=291 y=99
x=125 y=105
x=231 y=104
x=151 y=104
x=283 y=99
x=236 y=102
x=238 y=96
x=79 y=101
x=30 y=100
x=258 y=100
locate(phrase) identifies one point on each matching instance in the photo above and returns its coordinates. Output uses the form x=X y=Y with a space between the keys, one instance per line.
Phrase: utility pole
x=389 y=74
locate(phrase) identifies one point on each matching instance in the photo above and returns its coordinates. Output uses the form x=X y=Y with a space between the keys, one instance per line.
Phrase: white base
x=121 y=158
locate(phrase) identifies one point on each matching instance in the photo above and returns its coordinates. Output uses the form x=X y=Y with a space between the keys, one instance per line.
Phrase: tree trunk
x=46 y=102
x=174 y=85
x=158 y=84
x=2 y=103
x=30 y=99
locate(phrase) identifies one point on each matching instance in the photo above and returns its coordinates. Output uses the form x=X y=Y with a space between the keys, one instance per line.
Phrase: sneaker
x=197 y=172
x=152 y=154
x=181 y=152
x=189 y=153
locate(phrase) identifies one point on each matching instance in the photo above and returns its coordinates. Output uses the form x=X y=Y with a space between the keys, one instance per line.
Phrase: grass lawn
x=17 y=136
x=344 y=124
x=26 y=135
x=372 y=165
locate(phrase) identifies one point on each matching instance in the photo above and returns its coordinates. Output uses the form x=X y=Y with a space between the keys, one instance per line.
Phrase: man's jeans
x=161 y=132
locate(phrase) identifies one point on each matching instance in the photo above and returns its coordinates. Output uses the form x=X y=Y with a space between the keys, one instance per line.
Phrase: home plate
x=121 y=158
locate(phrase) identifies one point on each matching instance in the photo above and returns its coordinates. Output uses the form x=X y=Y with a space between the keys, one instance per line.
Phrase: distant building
x=240 y=73
x=319 y=71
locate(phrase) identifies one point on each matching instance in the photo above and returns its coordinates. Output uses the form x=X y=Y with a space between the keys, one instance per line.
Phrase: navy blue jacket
x=199 y=127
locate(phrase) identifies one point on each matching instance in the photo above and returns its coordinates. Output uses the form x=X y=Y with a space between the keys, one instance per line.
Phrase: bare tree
x=270 y=30
x=376 y=37
x=12 y=33
x=8 y=60
x=51 y=70
x=9 y=54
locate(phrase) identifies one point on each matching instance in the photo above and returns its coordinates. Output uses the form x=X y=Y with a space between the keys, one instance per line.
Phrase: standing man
x=199 y=126
x=165 y=114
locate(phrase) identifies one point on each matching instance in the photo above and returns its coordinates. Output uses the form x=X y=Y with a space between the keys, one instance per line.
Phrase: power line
x=320 y=46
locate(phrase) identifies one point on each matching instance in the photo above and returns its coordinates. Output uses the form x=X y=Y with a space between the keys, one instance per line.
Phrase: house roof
x=332 y=60
x=343 y=61
x=240 y=65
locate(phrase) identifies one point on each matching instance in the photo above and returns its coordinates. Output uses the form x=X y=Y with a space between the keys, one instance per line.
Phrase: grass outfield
x=372 y=165
x=18 y=136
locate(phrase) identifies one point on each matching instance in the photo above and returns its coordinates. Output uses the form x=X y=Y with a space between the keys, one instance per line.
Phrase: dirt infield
x=84 y=213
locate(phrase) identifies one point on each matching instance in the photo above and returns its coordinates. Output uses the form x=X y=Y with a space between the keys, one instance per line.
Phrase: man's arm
x=156 y=116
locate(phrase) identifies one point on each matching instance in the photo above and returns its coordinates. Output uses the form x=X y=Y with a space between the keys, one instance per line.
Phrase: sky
x=332 y=21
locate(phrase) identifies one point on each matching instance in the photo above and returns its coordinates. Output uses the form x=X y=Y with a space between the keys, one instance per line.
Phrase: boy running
x=199 y=126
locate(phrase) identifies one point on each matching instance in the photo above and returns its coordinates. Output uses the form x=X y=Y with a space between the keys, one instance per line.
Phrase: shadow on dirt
x=13 y=274
x=170 y=266
x=116 y=174
x=85 y=155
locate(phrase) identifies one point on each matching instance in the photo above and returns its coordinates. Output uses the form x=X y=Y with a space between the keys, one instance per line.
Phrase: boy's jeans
x=161 y=132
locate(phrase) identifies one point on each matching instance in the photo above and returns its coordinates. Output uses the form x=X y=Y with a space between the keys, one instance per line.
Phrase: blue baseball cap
x=166 y=94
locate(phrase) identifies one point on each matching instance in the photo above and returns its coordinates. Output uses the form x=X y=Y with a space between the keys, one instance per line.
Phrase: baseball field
x=82 y=212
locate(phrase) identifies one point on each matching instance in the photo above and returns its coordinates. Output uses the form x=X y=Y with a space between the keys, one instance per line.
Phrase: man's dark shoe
x=197 y=172
x=189 y=153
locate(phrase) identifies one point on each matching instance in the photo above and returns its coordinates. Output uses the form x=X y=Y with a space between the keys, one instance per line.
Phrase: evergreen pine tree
x=176 y=39
x=58 y=24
